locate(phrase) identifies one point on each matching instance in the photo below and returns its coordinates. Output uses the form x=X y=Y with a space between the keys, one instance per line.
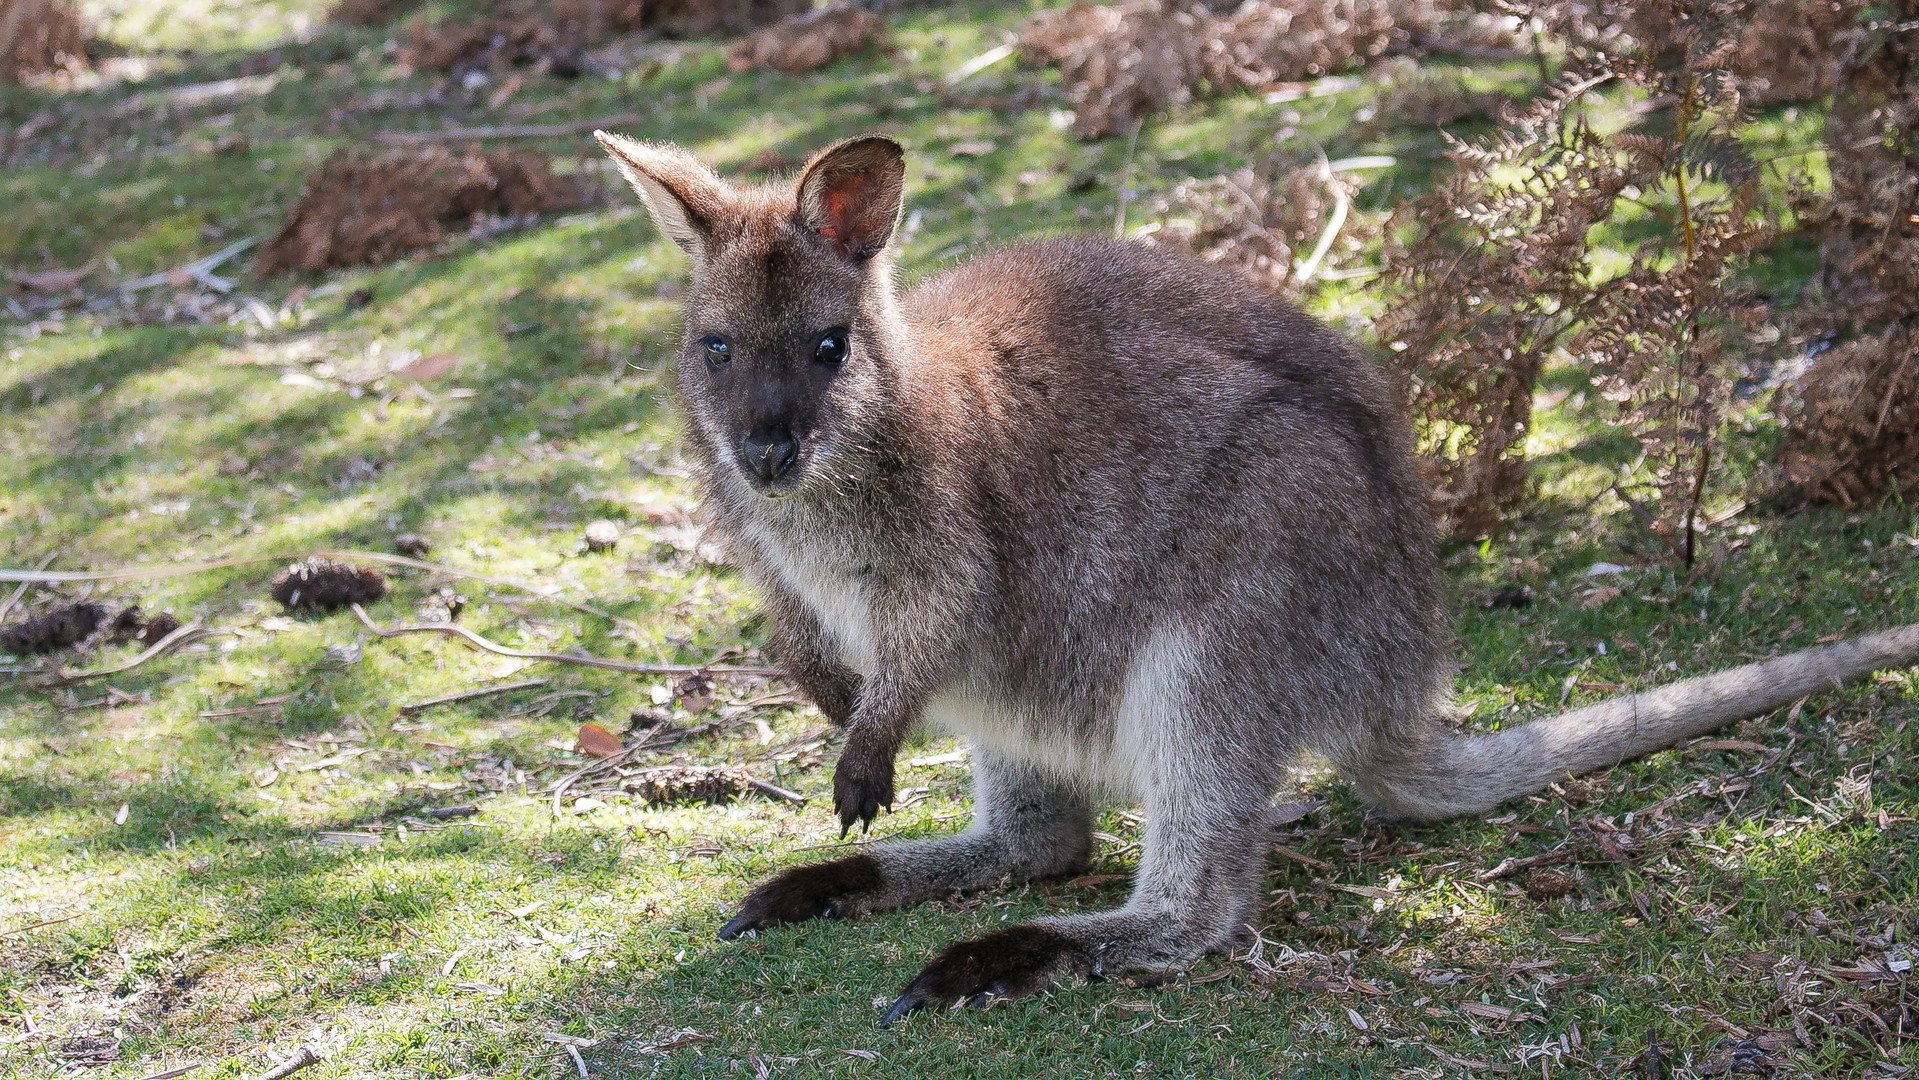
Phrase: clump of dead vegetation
x=69 y=625
x=38 y=37
x=1122 y=61
x=520 y=32
x=670 y=784
x=323 y=585
x=360 y=208
x=1419 y=98
x=1277 y=225
x=553 y=34
x=1782 y=50
x=367 y=12
x=1498 y=276
x=1854 y=428
x=808 y=42
x=61 y=628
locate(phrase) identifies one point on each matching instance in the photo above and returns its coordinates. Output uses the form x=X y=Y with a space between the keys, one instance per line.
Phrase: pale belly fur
x=1114 y=753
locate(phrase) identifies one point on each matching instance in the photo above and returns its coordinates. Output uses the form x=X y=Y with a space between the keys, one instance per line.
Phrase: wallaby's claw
x=902 y=1005
x=862 y=787
x=819 y=890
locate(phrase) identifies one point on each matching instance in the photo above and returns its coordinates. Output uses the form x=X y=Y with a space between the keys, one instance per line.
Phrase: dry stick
x=38 y=925
x=776 y=791
x=601 y=765
x=510 y=131
x=169 y=1074
x=1508 y=867
x=301 y=1058
x=559 y=658
x=151 y=573
x=523 y=684
x=192 y=631
x=7 y=606
x=1342 y=204
x=1126 y=177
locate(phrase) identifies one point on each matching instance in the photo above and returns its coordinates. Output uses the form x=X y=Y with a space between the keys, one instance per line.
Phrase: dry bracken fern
x=1854 y=429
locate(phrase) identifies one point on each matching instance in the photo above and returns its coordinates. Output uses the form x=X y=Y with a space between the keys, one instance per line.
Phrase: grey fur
x=1132 y=528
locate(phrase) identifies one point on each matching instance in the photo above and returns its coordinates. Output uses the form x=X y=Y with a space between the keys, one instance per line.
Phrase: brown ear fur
x=851 y=194
x=683 y=196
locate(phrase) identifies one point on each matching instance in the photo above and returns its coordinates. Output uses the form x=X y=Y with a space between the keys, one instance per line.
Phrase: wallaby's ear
x=684 y=196
x=851 y=192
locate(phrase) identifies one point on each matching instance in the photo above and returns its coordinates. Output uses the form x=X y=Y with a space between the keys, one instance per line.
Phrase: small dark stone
x=566 y=63
x=1518 y=596
x=412 y=545
x=61 y=628
x=1548 y=885
x=358 y=299
x=320 y=585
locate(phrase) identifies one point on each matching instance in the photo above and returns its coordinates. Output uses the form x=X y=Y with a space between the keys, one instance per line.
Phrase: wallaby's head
x=788 y=315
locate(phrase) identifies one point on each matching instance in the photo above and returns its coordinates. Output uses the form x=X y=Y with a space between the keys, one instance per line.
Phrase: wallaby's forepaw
x=862 y=783
x=821 y=890
x=1010 y=963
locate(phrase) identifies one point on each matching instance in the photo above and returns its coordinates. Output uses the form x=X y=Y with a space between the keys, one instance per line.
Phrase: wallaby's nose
x=770 y=453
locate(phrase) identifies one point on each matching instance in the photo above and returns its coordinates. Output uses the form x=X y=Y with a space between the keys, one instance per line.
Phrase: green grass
x=219 y=922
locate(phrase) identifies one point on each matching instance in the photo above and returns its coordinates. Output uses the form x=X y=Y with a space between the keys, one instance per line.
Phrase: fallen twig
x=524 y=684
x=508 y=131
x=200 y=270
x=192 y=631
x=1297 y=856
x=7 y=605
x=261 y=705
x=1342 y=204
x=776 y=791
x=602 y=765
x=38 y=925
x=169 y=1074
x=1508 y=867
x=559 y=658
x=301 y=1058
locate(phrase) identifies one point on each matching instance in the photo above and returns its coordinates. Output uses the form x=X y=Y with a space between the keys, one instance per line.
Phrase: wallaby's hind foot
x=816 y=891
x=1009 y=963
x=1151 y=946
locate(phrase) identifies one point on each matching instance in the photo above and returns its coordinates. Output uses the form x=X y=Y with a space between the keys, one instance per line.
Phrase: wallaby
x=1133 y=528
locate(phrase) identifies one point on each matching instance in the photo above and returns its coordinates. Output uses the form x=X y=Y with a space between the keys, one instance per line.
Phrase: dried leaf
x=430 y=366
x=596 y=741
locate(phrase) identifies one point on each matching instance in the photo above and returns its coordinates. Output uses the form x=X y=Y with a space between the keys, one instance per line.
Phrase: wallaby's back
x=1149 y=440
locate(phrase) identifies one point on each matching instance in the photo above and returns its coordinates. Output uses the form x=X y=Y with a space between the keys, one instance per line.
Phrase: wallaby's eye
x=832 y=347
x=717 y=353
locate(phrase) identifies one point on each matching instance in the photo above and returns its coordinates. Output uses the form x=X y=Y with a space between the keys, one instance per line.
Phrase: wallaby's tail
x=1438 y=775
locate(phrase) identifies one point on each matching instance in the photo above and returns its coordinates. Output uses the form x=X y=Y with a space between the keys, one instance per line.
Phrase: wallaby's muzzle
x=768 y=456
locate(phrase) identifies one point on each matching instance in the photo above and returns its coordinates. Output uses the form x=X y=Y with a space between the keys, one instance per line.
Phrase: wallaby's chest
x=834 y=582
